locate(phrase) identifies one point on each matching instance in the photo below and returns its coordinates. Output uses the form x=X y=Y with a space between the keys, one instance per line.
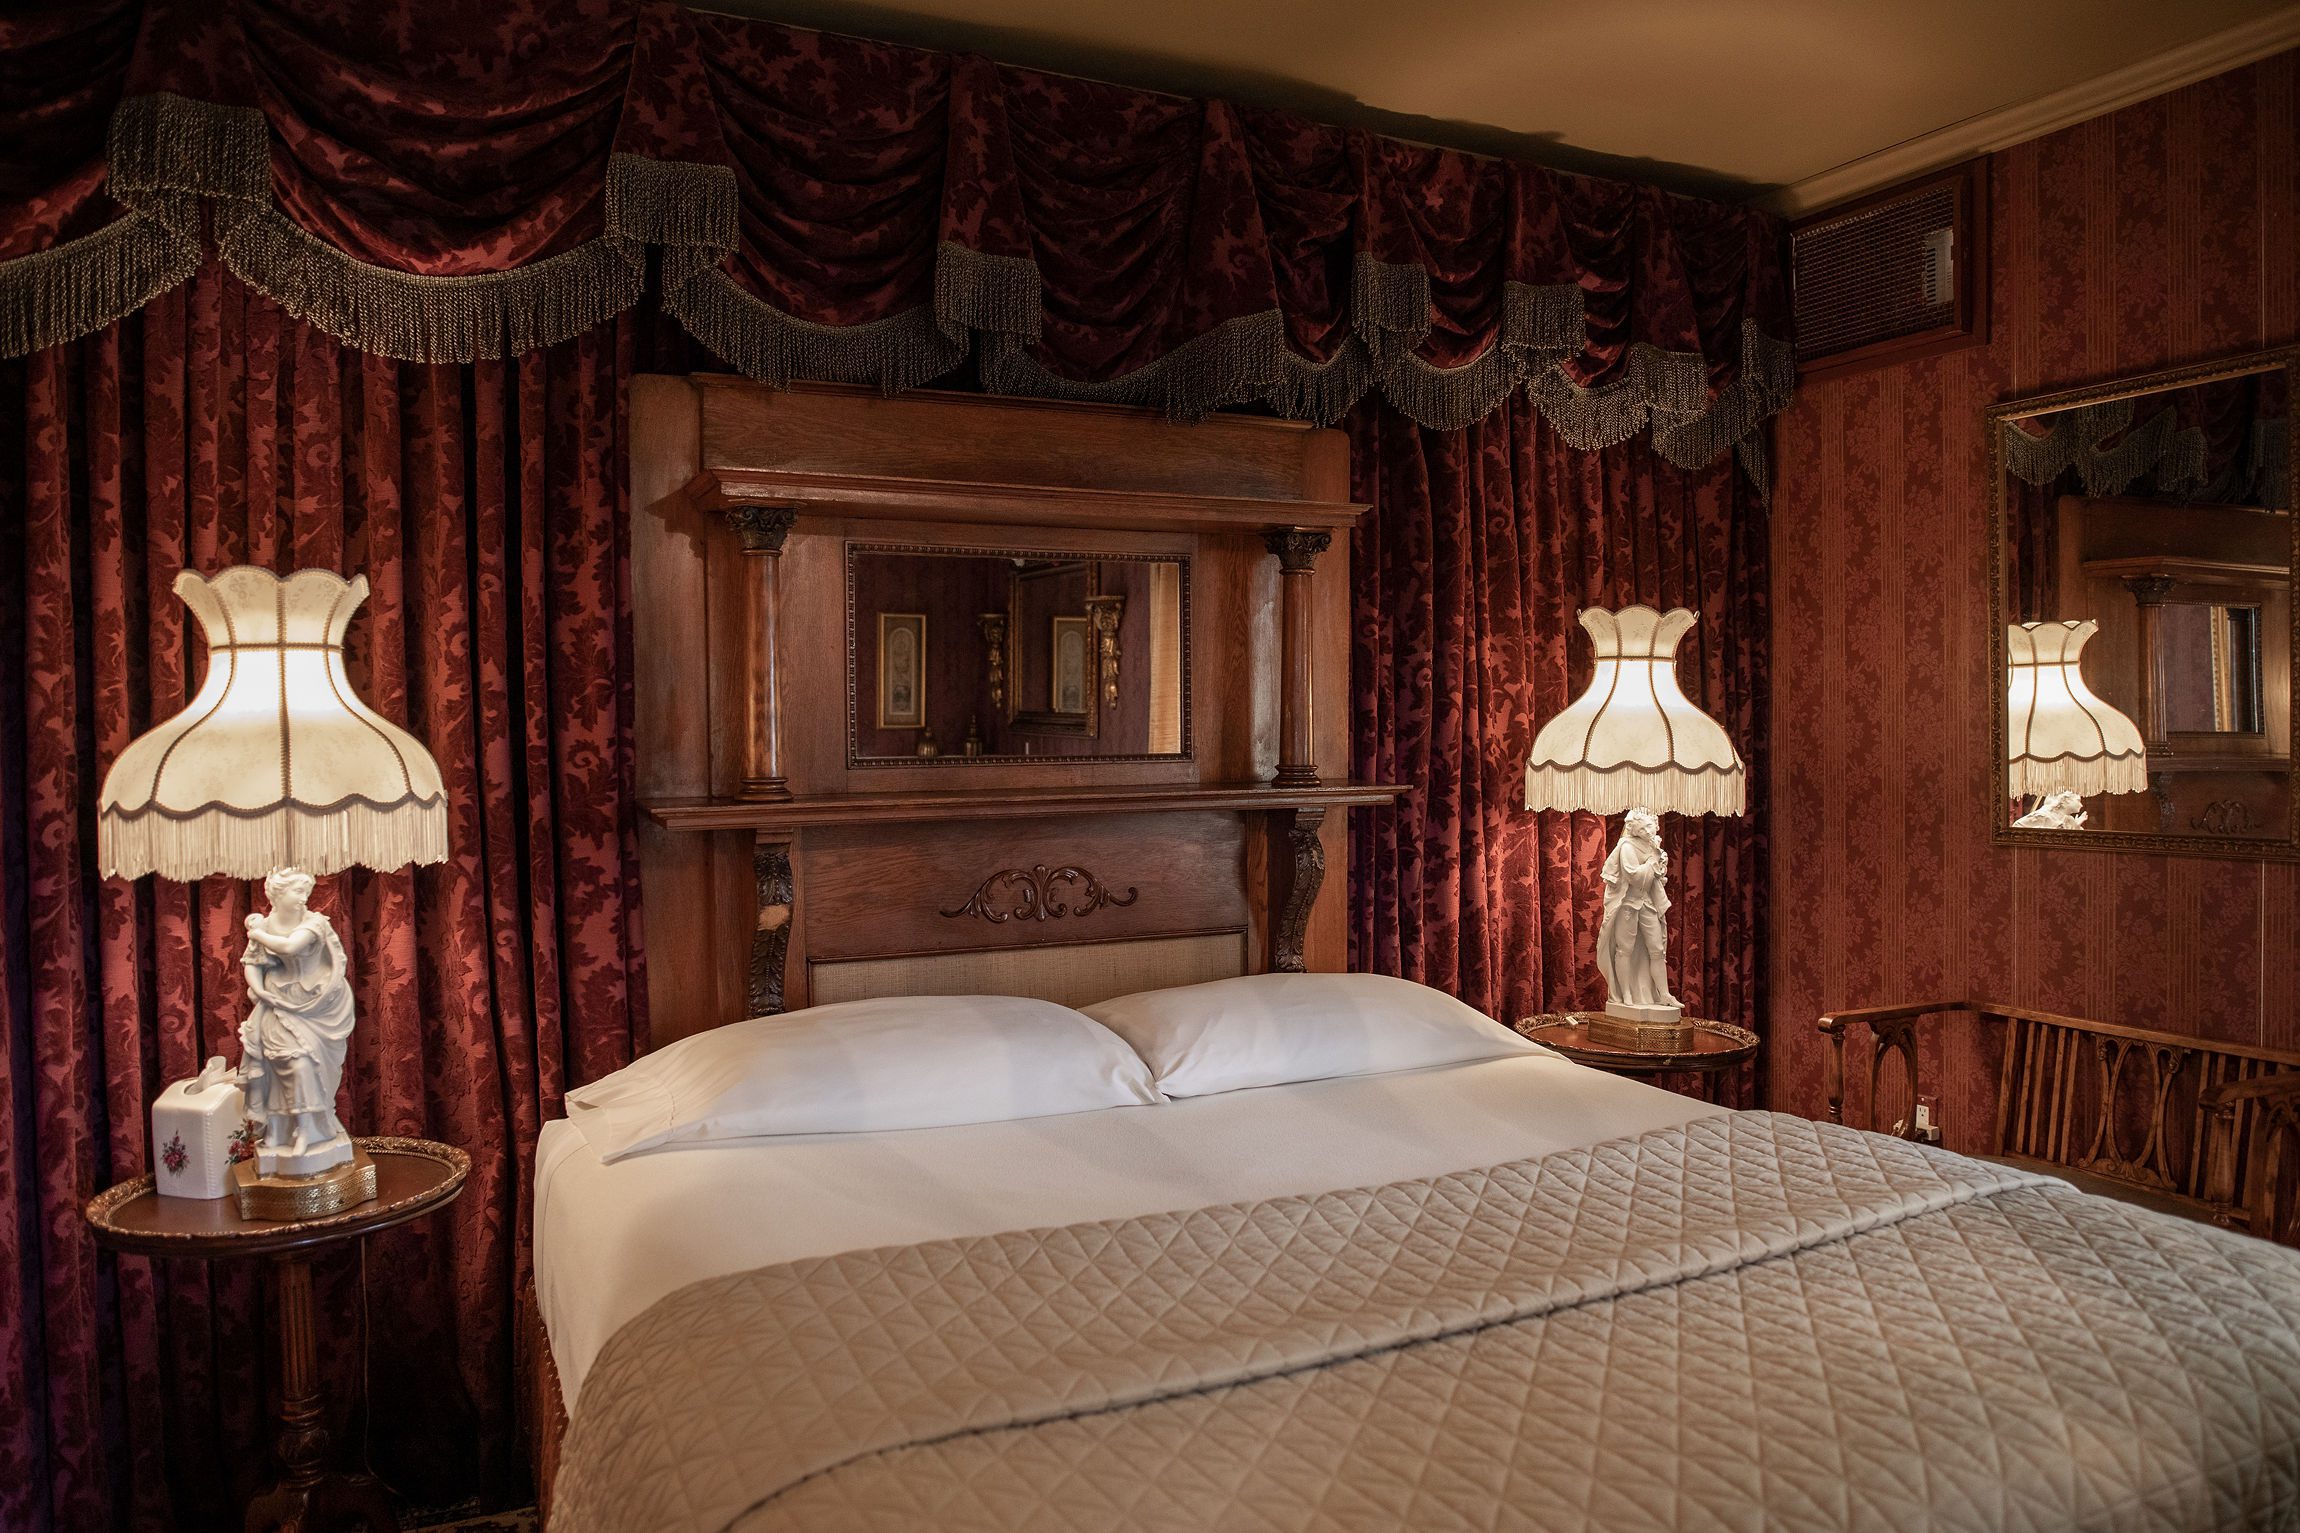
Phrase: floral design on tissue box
x=201 y=1128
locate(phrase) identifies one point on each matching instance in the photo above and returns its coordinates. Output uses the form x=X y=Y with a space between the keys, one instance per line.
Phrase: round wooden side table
x=1716 y=1046
x=412 y=1177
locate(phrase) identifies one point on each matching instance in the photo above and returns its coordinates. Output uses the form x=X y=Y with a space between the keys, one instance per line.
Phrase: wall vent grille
x=1894 y=276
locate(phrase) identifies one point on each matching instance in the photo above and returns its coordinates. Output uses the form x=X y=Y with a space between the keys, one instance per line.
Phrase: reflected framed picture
x=1070 y=677
x=902 y=670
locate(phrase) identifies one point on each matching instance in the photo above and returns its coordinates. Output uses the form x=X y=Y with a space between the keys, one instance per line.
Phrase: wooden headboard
x=779 y=870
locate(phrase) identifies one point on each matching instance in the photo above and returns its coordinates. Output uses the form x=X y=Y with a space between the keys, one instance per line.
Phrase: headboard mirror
x=2142 y=618
x=970 y=655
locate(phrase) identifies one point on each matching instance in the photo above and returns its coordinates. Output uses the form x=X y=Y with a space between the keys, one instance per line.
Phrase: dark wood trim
x=2148 y=594
x=1715 y=1046
x=1002 y=804
x=771 y=931
x=1298 y=870
x=1046 y=938
x=762 y=530
x=871 y=497
x=745 y=694
x=1038 y=893
x=1296 y=549
x=1834 y=1023
x=413 y=1176
x=2180 y=1122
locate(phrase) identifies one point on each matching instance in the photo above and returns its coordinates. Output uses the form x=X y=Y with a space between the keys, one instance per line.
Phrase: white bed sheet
x=611 y=1240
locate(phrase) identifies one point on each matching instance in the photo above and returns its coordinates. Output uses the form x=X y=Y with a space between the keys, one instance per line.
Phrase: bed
x=1502 y=1292
x=613 y=1239
x=1514 y=1292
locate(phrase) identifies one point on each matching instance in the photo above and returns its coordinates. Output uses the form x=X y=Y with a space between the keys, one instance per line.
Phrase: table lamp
x=277 y=770
x=2063 y=744
x=1633 y=744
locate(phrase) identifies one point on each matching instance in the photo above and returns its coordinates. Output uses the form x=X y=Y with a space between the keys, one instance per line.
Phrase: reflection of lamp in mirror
x=1633 y=744
x=2063 y=744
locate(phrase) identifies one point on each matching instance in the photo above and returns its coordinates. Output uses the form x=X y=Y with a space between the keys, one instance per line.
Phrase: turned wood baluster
x=309 y=1498
x=1297 y=551
x=1833 y=1069
x=302 y=1442
x=1893 y=1037
x=763 y=529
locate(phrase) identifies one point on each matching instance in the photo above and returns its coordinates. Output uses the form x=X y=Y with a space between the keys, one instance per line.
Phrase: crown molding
x=2006 y=126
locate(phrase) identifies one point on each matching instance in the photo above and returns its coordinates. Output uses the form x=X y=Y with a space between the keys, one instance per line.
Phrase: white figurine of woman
x=2060 y=809
x=294 y=1039
x=1633 y=940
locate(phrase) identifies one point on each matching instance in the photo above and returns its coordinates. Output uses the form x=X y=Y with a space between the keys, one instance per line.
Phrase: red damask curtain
x=1482 y=547
x=220 y=220
x=444 y=183
x=484 y=503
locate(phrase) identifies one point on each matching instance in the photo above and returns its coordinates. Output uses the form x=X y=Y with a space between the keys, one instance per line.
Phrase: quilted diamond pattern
x=1747 y=1322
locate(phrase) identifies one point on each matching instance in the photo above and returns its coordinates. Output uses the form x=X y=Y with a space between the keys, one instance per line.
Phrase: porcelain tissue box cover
x=200 y=1127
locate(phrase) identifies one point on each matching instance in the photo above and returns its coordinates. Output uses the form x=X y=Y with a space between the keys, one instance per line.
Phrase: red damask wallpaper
x=2156 y=235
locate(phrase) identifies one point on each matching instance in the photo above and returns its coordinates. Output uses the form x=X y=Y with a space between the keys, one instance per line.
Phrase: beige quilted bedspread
x=1750 y=1322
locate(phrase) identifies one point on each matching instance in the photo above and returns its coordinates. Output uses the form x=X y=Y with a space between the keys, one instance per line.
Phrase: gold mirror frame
x=2004 y=833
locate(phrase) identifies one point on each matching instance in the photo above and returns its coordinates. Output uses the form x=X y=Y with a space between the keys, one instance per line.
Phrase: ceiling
x=1724 y=98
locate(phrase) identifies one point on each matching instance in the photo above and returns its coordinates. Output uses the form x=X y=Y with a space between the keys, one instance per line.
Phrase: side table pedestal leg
x=310 y=1498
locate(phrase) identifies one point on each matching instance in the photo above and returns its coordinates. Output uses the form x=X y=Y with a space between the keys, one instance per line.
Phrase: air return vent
x=1898 y=275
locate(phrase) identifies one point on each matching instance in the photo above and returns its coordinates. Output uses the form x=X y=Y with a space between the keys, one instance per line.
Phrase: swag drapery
x=447 y=183
x=315 y=283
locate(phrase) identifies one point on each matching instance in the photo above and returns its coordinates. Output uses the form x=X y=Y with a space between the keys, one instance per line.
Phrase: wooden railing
x=2212 y=1128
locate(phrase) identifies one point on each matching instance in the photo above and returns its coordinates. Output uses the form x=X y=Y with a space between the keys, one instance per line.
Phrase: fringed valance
x=442 y=184
x=2107 y=451
x=2228 y=443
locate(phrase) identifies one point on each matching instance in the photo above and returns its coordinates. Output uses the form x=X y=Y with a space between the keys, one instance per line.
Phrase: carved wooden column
x=1297 y=550
x=762 y=529
x=1104 y=614
x=993 y=626
x=771 y=936
x=2148 y=593
x=1297 y=869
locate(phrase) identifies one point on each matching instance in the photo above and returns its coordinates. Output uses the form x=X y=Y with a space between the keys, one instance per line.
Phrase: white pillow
x=1267 y=1029
x=897 y=1062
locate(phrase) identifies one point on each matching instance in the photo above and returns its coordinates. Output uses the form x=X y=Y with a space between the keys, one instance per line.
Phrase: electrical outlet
x=1927 y=1131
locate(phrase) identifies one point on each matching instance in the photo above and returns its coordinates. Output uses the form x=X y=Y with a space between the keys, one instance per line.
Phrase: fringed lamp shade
x=2058 y=734
x=1634 y=740
x=276 y=762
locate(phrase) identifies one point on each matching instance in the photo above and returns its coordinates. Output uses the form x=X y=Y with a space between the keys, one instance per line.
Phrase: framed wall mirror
x=2142 y=623
x=959 y=655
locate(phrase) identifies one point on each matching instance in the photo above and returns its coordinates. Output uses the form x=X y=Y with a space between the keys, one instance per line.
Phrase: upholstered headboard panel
x=1072 y=974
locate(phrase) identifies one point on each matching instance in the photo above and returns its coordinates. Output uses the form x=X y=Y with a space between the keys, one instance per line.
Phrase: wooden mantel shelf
x=2217 y=761
x=823 y=493
x=999 y=803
